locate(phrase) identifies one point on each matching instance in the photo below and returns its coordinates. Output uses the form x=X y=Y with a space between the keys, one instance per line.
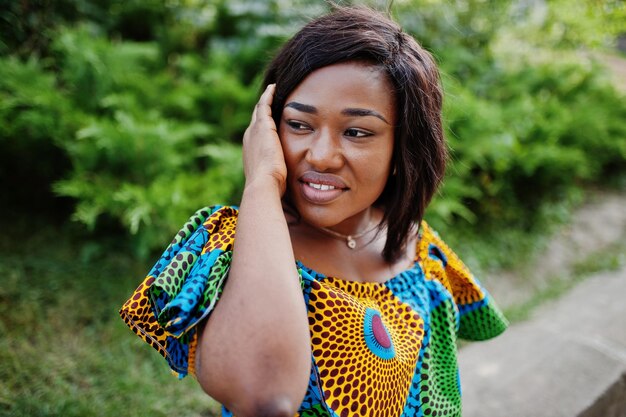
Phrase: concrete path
x=568 y=360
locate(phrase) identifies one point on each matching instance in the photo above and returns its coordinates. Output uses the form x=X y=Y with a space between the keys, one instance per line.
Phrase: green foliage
x=566 y=24
x=527 y=123
x=135 y=109
x=532 y=139
x=142 y=154
x=34 y=119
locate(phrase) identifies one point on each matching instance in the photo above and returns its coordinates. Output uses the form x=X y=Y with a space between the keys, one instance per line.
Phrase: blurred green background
x=118 y=119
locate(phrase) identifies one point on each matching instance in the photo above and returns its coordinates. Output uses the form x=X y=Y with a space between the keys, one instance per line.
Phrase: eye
x=298 y=126
x=356 y=133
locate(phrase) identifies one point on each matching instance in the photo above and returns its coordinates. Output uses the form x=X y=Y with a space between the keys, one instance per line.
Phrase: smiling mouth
x=321 y=187
x=317 y=193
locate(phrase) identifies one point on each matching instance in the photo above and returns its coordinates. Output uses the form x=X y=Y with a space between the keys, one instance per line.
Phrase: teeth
x=321 y=187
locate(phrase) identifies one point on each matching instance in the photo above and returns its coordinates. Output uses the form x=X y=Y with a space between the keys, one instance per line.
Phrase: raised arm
x=254 y=352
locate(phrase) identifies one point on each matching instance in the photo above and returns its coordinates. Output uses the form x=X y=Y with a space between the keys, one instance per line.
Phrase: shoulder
x=217 y=224
x=211 y=219
x=431 y=246
x=220 y=217
x=442 y=264
x=211 y=227
x=480 y=318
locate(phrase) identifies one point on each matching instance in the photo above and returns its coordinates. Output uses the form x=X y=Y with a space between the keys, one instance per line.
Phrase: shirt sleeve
x=183 y=287
x=479 y=316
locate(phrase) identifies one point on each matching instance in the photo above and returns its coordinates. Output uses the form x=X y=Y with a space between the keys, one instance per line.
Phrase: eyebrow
x=305 y=108
x=301 y=107
x=363 y=112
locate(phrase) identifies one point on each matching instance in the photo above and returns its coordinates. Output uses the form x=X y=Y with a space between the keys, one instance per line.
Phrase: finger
x=268 y=95
x=265 y=101
x=259 y=103
x=253 y=118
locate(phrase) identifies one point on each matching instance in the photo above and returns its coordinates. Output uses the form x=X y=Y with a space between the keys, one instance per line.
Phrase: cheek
x=381 y=169
x=374 y=168
x=380 y=160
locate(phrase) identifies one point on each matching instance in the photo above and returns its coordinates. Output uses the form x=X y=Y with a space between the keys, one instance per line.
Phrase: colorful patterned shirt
x=378 y=349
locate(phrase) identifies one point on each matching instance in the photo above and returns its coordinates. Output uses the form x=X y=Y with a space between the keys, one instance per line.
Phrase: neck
x=353 y=236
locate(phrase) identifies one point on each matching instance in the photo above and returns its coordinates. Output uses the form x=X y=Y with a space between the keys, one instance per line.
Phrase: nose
x=324 y=152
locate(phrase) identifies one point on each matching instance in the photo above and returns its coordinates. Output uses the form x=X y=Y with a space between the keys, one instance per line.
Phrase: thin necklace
x=350 y=239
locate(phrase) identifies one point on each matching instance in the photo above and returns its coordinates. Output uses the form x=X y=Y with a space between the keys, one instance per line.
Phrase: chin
x=318 y=216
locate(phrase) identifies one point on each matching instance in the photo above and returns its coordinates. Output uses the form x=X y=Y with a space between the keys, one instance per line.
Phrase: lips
x=313 y=177
x=318 y=188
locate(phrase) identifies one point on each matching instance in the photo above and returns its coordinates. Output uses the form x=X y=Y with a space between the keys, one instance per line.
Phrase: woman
x=335 y=298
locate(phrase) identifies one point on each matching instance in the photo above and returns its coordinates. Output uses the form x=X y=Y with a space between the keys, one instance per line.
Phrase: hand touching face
x=262 y=153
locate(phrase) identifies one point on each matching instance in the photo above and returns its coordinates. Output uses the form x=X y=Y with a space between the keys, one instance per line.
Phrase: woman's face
x=337 y=134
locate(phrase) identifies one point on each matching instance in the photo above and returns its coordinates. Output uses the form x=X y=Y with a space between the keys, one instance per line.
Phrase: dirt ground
x=597 y=225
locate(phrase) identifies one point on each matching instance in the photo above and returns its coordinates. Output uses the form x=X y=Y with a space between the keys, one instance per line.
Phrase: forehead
x=347 y=85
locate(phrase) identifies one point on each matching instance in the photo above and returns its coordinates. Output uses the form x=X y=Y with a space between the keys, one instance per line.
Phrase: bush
x=140 y=107
x=533 y=138
x=34 y=120
x=529 y=119
x=147 y=153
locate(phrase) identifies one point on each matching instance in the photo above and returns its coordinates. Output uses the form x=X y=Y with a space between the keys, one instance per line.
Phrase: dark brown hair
x=420 y=152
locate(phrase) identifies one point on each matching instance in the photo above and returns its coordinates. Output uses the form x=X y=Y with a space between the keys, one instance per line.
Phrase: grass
x=611 y=259
x=63 y=349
